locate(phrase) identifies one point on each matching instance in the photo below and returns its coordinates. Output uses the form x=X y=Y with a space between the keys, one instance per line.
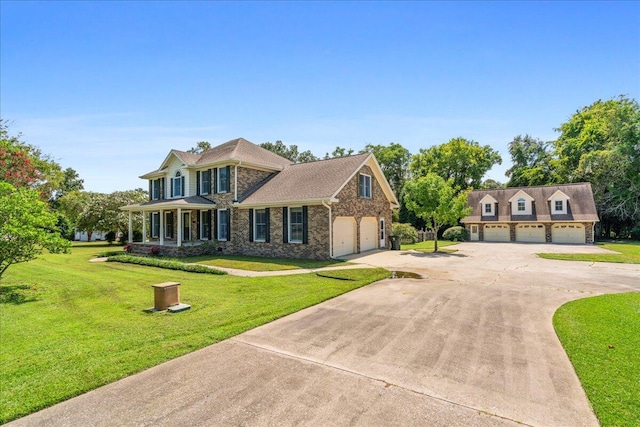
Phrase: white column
x=179 y=227
x=144 y=227
x=130 y=227
x=161 y=227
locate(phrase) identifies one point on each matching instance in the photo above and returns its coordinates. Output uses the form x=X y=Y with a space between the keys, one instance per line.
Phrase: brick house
x=238 y=198
x=544 y=214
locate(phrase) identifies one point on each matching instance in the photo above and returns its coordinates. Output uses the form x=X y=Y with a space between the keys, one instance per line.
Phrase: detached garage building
x=546 y=214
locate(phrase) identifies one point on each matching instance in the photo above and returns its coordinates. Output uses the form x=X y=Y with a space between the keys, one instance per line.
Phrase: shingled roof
x=580 y=207
x=319 y=180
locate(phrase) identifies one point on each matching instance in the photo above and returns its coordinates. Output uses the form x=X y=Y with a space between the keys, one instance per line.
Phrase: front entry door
x=186 y=226
x=383 y=236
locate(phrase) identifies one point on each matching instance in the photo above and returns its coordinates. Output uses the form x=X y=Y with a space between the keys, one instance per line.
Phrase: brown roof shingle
x=242 y=150
x=581 y=206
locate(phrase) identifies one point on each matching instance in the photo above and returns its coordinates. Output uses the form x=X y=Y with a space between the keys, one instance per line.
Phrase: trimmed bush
x=407 y=233
x=164 y=263
x=455 y=234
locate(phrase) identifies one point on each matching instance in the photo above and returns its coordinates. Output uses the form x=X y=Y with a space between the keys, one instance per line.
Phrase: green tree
x=114 y=218
x=27 y=227
x=463 y=161
x=339 y=152
x=491 y=184
x=200 y=147
x=394 y=161
x=436 y=201
x=601 y=144
x=531 y=160
x=85 y=210
x=289 y=152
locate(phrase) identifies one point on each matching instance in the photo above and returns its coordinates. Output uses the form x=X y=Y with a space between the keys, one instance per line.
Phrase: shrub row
x=164 y=263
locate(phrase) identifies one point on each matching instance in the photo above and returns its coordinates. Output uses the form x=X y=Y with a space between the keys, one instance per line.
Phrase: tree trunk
x=89 y=234
x=435 y=238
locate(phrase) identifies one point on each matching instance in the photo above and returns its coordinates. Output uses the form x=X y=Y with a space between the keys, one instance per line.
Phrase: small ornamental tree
x=27 y=227
x=436 y=201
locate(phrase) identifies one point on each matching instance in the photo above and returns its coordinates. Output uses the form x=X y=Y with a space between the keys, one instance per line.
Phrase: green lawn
x=252 y=263
x=628 y=253
x=68 y=326
x=601 y=335
x=427 y=246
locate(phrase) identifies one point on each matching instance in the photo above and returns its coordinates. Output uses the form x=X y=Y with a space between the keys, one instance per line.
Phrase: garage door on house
x=344 y=236
x=496 y=233
x=532 y=233
x=368 y=234
x=568 y=233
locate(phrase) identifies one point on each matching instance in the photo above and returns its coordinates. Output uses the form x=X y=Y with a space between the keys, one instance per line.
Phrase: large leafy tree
x=394 y=161
x=531 y=160
x=114 y=218
x=290 y=152
x=463 y=161
x=27 y=227
x=601 y=144
x=436 y=201
x=84 y=209
x=200 y=147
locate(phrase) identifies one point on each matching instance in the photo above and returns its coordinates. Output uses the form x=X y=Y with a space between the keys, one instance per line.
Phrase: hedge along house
x=545 y=214
x=246 y=200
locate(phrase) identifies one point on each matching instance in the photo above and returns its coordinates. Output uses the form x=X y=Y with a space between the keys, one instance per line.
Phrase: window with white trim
x=155 y=225
x=559 y=206
x=259 y=225
x=177 y=185
x=296 y=226
x=205 y=226
x=522 y=205
x=205 y=182
x=364 y=186
x=223 y=180
x=168 y=225
x=223 y=224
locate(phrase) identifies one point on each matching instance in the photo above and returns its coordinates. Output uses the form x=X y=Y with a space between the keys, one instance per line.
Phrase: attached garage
x=368 y=234
x=496 y=233
x=568 y=233
x=532 y=233
x=344 y=236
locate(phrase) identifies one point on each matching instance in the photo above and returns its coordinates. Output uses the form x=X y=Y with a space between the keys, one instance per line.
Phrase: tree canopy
x=27 y=227
x=531 y=160
x=289 y=152
x=463 y=161
x=436 y=201
x=200 y=147
x=394 y=161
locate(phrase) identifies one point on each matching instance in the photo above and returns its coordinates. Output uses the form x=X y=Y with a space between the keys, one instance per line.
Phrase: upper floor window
x=559 y=205
x=223 y=180
x=176 y=185
x=155 y=189
x=365 y=186
x=205 y=181
x=522 y=205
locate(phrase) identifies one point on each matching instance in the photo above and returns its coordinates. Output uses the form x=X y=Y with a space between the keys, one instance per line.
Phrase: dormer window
x=488 y=206
x=559 y=206
x=488 y=209
x=522 y=205
x=558 y=203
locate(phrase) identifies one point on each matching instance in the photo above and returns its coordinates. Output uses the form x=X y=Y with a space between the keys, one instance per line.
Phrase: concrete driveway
x=471 y=344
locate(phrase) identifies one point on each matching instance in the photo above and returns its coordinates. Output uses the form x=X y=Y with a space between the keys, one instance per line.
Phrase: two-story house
x=249 y=201
x=545 y=214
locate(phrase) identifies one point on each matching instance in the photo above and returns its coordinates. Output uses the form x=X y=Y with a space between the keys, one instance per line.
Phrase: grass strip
x=601 y=336
x=627 y=253
x=164 y=263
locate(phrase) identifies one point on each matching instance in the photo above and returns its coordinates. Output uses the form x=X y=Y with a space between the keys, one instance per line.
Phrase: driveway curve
x=470 y=344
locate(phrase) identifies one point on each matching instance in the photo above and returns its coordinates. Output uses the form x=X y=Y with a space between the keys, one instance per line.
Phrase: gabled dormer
x=558 y=203
x=488 y=206
x=521 y=203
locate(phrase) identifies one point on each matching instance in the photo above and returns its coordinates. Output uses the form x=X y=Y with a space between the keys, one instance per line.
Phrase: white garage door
x=368 y=234
x=496 y=233
x=568 y=233
x=533 y=233
x=344 y=235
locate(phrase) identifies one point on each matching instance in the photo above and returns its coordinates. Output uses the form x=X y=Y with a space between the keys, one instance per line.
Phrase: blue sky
x=108 y=88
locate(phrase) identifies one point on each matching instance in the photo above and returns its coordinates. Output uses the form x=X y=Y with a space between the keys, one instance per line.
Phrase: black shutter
x=182 y=185
x=210 y=224
x=215 y=180
x=285 y=224
x=251 y=225
x=228 y=225
x=215 y=224
x=198 y=183
x=198 y=224
x=150 y=226
x=267 y=226
x=305 y=225
x=163 y=189
x=228 y=179
x=171 y=192
x=150 y=190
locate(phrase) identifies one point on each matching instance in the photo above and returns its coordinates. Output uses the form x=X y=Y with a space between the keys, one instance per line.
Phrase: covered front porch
x=169 y=223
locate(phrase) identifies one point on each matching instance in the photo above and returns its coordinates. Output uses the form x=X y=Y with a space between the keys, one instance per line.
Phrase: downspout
x=330 y=229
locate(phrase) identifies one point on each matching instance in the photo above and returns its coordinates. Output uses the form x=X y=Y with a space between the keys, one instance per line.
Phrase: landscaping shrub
x=635 y=233
x=407 y=233
x=455 y=234
x=164 y=263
